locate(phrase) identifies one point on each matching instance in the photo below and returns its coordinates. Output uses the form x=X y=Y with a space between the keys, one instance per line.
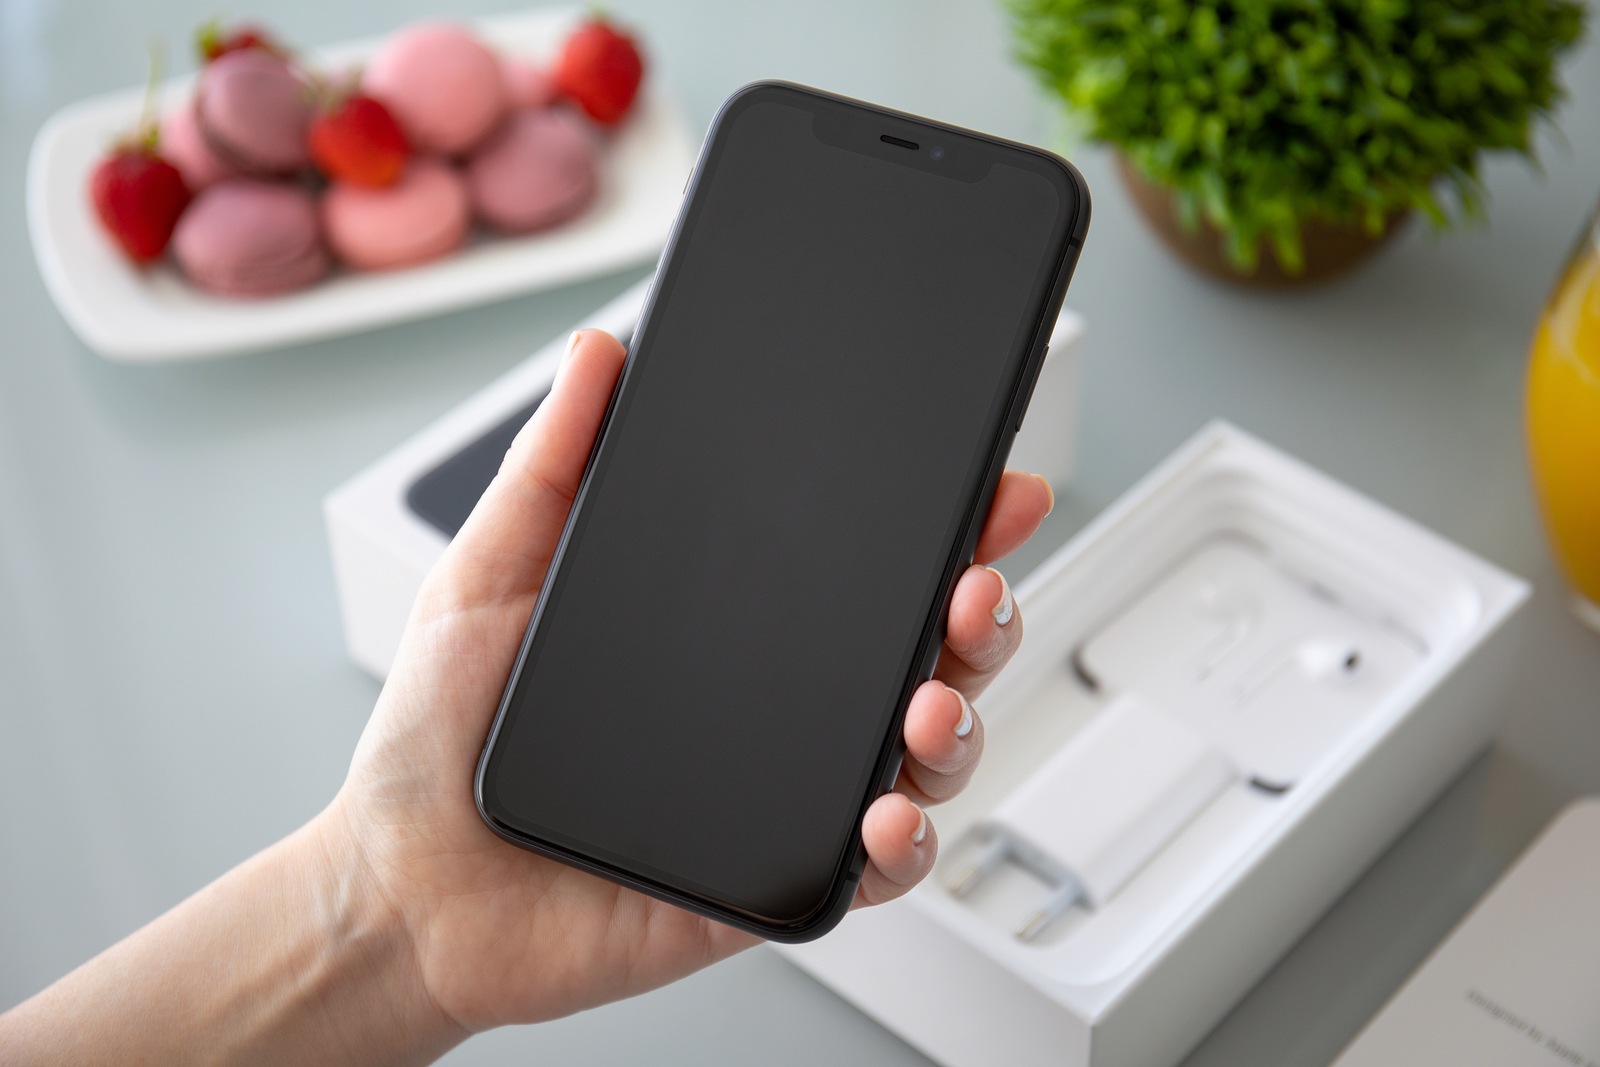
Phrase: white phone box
x=382 y=546
x=1239 y=683
x=1517 y=984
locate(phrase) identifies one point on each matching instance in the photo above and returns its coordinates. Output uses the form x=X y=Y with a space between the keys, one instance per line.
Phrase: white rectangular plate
x=154 y=315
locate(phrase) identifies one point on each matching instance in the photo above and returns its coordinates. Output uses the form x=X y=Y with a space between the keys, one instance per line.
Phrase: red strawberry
x=139 y=196
x=357 y=140
x=214 y=44
x=599 y=68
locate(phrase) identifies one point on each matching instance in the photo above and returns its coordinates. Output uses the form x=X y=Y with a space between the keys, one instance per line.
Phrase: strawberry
x=599 y=69
x=213 y=44
x=139 y=196
x=357 y=140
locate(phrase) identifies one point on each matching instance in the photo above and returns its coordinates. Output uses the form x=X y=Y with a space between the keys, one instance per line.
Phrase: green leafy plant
x=1264 y=114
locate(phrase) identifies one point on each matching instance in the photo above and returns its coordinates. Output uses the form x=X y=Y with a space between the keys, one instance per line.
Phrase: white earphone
x=1323 y=662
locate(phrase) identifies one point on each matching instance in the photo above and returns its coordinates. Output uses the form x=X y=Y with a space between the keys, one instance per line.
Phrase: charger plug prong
x=980 y=866
x=1056 y=905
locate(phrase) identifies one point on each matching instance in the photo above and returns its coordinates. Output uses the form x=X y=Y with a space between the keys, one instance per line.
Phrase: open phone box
x=389 y=523
x=1239 y=683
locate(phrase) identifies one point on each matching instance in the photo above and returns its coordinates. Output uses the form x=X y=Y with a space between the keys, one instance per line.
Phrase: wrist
x=291 y=957
x=367 y=978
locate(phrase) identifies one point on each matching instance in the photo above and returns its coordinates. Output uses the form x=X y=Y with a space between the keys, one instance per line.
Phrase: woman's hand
x=501 y=935
x=395 y=923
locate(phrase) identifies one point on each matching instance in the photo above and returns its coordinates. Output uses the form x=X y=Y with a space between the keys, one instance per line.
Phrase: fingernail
x=1050 y=493
x=572 y=342
x=1007 y=607
x=964 y=724
x=922 y=829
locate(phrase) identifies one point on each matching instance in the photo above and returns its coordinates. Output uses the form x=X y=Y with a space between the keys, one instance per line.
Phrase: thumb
x=503 y=550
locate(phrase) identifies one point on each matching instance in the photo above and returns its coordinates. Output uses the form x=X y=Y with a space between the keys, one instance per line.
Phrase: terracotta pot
x=1330 y=249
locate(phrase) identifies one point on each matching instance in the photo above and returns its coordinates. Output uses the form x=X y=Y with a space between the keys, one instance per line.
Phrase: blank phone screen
x=813 y=400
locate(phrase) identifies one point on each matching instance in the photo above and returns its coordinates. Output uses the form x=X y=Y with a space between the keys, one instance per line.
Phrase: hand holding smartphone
x=815 y=412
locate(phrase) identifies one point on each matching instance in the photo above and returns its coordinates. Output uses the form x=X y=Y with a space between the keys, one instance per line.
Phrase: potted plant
x=1280 y=141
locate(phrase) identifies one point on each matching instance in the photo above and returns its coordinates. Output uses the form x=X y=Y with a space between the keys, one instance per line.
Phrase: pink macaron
x=246 y=237
x=537 y=170
x=184 y=147
x=527 y=85
x=254 y=112
x=421 y=217
x=443 y=84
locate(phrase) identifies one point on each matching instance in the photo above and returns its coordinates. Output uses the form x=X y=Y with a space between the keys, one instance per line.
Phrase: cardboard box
x=1517 y=984
x=1341 y=662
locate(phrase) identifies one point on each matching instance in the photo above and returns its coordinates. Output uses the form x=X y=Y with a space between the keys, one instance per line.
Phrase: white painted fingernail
x=572 y=342
x=1007 y=607
x=964 y=725
x=922 y=829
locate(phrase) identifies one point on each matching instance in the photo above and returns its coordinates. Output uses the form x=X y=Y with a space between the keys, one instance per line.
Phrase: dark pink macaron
x=183 y=146
x=245 y=237
x=538 y=169
x=254 y=112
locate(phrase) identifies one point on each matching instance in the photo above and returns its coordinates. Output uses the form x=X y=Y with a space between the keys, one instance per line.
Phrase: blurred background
x=174 y=691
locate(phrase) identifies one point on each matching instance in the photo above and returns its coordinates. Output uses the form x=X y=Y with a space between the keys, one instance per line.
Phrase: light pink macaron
x=527 y=85
x=539 y=169
x=254 y=112
x=421 y=217
x=444 y=86
x=247 y=237
x=184 y=147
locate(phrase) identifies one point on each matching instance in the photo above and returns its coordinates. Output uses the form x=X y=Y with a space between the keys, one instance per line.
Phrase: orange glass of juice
x=1563 y=411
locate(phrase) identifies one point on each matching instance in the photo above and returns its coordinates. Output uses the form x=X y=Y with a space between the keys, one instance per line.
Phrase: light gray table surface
x=174 y=694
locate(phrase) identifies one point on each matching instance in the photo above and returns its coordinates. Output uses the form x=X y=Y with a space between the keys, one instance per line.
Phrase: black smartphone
x=816 y=407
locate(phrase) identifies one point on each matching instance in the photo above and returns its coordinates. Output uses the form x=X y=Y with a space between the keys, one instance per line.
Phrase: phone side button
x=1028 y=398
x=858 y=866
x=891 y=777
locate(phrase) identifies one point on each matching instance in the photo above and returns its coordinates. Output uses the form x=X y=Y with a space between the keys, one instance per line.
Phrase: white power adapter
x=1097 y=811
